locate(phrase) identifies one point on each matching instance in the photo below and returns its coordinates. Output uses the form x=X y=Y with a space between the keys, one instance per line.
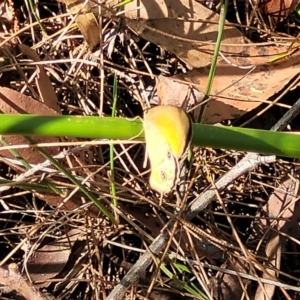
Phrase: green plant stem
x=76 y=182
x=39 y=187
x=111 y=146
x=16 y=154
x=251 y=140
x=212 y=70
x=241 y=139
x=36 y=17
x=72 y=126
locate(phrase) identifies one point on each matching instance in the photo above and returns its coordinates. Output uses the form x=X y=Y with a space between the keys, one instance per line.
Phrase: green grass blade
x=184 y=285
x=77 y=183
x=38 y=187
x=72 y=126
x=111 y=146
x=16 y=154
x=36 y=17
x=221 y=137
x=251 y=140
x=212 y=70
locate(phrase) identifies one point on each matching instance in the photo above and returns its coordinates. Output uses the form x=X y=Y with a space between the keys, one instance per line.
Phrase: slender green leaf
x=111 y=146
x=220 y=137
x=213 y=66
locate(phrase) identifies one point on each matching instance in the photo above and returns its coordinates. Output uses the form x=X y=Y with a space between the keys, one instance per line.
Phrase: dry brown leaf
x=43 y=82
x=282 y=204
x=193 y=41
x=278 y=10
x=228 y=286
x=86 y=21
x=236 y=90
x=49 y=260
x=183 y=38
x=12 y=102
x=172 y=92
x=273 y=252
